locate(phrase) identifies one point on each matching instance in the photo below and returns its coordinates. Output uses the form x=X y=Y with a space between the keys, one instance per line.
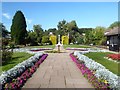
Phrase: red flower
x=114 y=56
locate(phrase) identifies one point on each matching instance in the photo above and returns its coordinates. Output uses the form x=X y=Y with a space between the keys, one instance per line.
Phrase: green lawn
x=99 y=57
x=76 y=46
x=16 y=58
x=46 y=46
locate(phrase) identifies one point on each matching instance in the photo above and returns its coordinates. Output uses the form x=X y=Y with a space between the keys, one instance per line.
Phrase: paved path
x=57 y=71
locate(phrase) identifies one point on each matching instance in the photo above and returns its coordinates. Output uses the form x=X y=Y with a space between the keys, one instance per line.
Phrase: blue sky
x=48 y=14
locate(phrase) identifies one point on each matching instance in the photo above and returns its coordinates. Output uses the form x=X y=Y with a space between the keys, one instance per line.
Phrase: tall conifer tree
x=18 y=28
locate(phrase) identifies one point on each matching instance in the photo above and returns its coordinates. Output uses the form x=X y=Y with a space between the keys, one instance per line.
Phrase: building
x=113 y=39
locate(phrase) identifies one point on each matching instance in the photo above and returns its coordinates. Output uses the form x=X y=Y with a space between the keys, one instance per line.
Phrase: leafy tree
x=61 y=24
x=65 y=28
x=115 y=24
x=6 y=55
x=32 y=38
x=99 y=35
x=39 y=32
x=53 y=30
x=45 y=39
x=84 y=30
x=72 y=26
x=18 y=28
x=95 y=36
x=62 y=27
x=3 y=30
x=4 y=33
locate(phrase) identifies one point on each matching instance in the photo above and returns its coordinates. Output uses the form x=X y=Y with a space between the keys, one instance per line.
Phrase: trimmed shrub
x=65 y=40
x=53 y=39
x=6 y=55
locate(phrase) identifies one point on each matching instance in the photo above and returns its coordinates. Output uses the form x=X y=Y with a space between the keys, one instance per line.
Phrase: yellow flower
x=105 y=82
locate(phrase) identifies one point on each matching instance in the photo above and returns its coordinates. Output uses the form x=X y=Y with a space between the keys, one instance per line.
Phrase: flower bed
x=17 y=76
x=40 y=49
x=78 y=49
x=114 y=56
x=97 y=74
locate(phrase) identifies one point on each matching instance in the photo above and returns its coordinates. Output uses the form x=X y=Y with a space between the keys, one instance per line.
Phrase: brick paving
x=58 y=71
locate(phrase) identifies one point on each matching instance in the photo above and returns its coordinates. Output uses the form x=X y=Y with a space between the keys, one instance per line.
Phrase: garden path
x=57 y=71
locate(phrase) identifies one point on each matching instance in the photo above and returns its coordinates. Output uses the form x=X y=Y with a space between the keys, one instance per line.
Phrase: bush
x=6 y=55
x=53 y=39
x=5 y=41
x=65 y=40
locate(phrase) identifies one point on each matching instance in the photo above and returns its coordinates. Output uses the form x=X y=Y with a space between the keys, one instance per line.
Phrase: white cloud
x=6 y=15
x=29 y=21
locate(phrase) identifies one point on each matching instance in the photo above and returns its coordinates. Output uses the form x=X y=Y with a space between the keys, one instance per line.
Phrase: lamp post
x=58 y=43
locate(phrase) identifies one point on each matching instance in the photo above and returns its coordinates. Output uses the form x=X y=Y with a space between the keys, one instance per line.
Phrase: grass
x=99 y=57
x=45 y=46
x=16 y=58
x=76 y=46
x=52 y=51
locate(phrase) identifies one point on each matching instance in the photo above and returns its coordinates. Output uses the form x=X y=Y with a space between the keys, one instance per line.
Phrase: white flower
x=19 y=68
x=101 y=71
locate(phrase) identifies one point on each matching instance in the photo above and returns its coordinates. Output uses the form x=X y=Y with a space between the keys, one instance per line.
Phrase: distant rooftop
x=114 y=31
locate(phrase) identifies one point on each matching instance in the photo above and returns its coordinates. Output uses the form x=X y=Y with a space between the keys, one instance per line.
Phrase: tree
x=84 y=30
x=45 y=39
x=53 y=30
x=39 y=32
x=96 y=36
x=72 y=26
x=99 y=35
x=65 y=28
x=61 y=27
x=3 y=30
x=32 y=38
x=115 y=24
x=18 y=28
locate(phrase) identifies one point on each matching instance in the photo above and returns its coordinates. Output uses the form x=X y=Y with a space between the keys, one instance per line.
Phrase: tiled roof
x=114 y=31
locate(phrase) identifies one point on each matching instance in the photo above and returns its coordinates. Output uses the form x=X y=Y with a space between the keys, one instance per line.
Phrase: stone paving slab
x=57 y=71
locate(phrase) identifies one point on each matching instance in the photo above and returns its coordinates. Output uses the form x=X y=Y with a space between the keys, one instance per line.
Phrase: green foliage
x=52 y=51
x=45 y=39
x=115 y=24
x=95 y=36
x=80 y=39
x=3 y=30
x=62 y=27
x=44 y=46
x=5 y=41
x=65 y=28
x=6 y=55
x=84 y=30
x=76 y=46
x=18 y=28
x=39 y=32
x=32 y=38
x=12 y=45
x=72 y=25
x=53 y=39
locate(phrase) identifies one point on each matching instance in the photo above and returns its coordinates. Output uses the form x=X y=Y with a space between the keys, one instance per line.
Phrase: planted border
x=40 y=49
x=101 y=77
x=114 y=56
x=89 y=74
x=16 y=77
